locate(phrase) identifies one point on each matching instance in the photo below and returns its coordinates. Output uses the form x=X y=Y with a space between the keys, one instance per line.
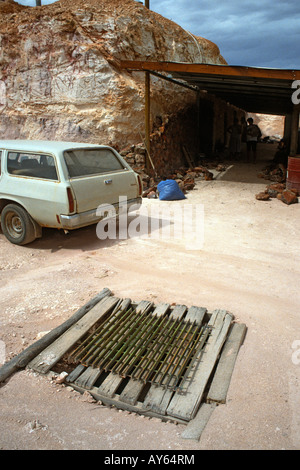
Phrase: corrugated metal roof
x=254 y=89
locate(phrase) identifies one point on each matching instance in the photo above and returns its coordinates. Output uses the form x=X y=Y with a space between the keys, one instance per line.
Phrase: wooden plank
x=75 y=373
x=222 y=376
x=212 y=69
x=158 y=398
x=133 y=389
x=88 y=378
x=188 y=158
x=131 y=392
x=108 y=401
x=185 y=405
x=143 y=306
x=21 y=360
x=113 y=381
x=110 y=385
x=196 y=426
x=48 y=357
x=178 y=311
x=196 y=314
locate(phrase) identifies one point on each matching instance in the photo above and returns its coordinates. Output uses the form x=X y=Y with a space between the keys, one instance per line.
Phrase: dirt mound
x=9 y=6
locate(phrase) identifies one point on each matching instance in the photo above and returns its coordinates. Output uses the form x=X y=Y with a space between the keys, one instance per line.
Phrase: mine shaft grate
x=144 y=346
x=167 y=360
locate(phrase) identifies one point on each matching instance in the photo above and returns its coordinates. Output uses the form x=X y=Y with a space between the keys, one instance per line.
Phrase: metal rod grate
x=144 y=346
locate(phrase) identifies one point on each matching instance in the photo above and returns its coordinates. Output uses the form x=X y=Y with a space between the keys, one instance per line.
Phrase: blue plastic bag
x=169 y=191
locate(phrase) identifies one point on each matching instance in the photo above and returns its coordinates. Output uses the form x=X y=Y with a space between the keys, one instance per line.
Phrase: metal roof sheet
x=253 y=89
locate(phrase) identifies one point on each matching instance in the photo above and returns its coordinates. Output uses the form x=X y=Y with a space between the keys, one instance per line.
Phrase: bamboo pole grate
x=153 y=349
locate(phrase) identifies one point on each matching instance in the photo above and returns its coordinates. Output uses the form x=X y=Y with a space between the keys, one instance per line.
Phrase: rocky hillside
x=59 y=70
x=270 y=125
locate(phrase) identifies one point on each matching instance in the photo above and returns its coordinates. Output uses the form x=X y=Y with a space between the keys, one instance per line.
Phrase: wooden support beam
x=185 y=405
x=294 y=130
x=196 y=426
x=220 y=384
x=21 y=360
x=147 y=117
x=287 y=127
x=48 y=357
x=221 y=70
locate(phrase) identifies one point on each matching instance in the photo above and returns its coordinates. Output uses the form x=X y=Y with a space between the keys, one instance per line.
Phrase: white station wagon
x=60 y=185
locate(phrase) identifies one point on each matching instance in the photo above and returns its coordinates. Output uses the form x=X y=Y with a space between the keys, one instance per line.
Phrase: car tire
x=17 y=225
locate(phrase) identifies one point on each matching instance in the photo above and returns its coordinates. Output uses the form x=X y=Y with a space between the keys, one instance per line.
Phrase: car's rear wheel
x=17 y=225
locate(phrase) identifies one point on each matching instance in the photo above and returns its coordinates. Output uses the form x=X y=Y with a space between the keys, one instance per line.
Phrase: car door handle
x=108 y=181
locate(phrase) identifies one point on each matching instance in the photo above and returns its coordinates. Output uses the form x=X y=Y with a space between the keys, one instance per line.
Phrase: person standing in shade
x=253 y=135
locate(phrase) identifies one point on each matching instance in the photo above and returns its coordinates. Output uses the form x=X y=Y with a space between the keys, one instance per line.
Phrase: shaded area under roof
x=257 y=90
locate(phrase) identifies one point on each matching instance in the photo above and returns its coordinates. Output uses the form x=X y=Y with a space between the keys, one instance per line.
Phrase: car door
x=32 y=180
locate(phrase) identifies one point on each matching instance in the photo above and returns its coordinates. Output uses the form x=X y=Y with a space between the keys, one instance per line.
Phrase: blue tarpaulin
x=169 y=190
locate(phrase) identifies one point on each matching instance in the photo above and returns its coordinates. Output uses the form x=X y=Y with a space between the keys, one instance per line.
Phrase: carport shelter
x=252 y=89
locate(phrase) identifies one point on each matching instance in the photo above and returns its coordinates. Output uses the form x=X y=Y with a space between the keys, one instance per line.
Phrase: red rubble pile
x=277 y=174
x=279 y=191
x=136 y=155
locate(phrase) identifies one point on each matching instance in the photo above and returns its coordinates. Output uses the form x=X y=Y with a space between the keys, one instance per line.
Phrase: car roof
x=44 y=145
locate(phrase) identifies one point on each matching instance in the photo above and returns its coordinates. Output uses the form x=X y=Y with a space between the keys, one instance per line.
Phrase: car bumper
x=70 y=222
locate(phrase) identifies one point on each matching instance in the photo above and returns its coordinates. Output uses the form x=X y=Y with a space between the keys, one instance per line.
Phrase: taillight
x=70 y=200
x=140 y=185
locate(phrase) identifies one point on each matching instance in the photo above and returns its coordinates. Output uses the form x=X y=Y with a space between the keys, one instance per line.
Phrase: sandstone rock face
x=270 y=125
x=60 y=77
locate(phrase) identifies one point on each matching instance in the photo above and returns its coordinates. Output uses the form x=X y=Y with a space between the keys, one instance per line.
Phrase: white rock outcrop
x=59 y=70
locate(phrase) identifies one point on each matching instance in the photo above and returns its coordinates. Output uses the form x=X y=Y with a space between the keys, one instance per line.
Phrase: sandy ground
x=248 y=264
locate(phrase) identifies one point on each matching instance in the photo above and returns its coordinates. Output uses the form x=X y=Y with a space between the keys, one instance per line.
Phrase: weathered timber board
x=51 y=355
x=88 y=378
x=137 y=408
x=222 y=376
x=158 y=398
x=185 y=405
x=75 y=373
x=21 y=360
x=196 y=426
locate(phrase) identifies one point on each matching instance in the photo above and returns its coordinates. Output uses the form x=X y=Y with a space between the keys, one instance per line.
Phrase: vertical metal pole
x=147 y=107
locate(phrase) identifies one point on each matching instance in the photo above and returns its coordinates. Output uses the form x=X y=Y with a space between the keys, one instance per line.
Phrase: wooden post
x=294 y=130
x=147 y=108
x=287 y=127
x=21 y=360
x=147 y=117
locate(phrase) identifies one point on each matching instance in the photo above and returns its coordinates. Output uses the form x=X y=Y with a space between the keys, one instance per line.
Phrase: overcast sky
x=262 y=33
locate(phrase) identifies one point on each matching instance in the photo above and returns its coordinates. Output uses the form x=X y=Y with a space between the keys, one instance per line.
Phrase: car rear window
x=84 y=162
x=33 y=165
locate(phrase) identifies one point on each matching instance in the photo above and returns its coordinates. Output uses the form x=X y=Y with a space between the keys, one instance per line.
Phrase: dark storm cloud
x=261 y=33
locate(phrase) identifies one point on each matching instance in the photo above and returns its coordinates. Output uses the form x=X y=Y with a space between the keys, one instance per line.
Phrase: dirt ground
x=249 y=265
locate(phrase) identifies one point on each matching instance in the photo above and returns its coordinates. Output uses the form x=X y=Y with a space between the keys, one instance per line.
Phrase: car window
x=34 y=165
x=84 y=162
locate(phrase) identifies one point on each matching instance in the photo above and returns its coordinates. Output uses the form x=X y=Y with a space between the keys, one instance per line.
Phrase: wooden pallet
x=208 y=377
